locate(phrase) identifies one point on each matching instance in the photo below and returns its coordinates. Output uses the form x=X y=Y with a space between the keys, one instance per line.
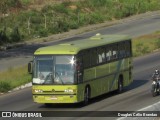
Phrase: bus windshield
x=54 y=70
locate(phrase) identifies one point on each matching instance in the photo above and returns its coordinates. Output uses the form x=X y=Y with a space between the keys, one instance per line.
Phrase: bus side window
x=79 y=63
x=121 y=50
x=79 y=69
x=101 y=55
x=108 y=54
x=128 y=48
x=114 y=52
x=94 y=58
x=86 y=59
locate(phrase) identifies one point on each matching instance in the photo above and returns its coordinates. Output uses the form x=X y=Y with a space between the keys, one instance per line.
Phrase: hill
x=22 y=20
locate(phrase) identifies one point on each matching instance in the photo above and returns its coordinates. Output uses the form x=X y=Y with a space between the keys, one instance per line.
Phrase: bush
x=63 y=26
x=43 y=32
x=96 y=3
x=3 y=37
x=13 y=3
x=96 y=18
x=73 y=25
x=60 y=8
x=47 y=9
x=157 y=43
x=53 y=29
x=139 y=48
x=5 y=5
x=25 y=2
x=5 y=86
x=145 y=50
x=36 y=19
x=15 y=35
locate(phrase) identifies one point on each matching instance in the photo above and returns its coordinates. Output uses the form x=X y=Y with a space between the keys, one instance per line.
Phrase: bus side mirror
x=30 y=66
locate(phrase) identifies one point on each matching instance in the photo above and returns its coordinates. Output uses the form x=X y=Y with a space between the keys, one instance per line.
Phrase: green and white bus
x=79 y=70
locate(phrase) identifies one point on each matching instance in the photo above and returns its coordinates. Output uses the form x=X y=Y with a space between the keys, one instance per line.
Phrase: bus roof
x=74 y=47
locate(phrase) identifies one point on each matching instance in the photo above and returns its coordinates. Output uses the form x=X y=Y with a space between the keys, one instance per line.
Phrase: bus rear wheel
x=86 y=96
x=120 y=85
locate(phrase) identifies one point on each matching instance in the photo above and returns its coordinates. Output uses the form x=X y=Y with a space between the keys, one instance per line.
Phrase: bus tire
x=120 y=84
x=48 y=104
x=86 y=96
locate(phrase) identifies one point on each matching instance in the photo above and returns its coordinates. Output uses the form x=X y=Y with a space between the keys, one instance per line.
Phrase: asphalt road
x=134 y=97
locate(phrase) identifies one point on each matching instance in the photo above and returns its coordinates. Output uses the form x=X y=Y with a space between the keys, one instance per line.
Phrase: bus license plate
x=51 y=98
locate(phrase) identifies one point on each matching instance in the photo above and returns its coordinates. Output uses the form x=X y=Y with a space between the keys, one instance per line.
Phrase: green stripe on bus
x=117 y=73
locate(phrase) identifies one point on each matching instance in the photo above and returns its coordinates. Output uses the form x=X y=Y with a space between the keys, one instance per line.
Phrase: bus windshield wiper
x=50 y=75
x=60 y=78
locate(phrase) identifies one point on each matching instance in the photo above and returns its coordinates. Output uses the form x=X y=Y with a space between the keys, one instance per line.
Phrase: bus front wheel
x=48 y=104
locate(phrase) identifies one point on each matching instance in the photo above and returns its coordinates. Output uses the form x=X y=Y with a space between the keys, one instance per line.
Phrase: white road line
x=154 y=107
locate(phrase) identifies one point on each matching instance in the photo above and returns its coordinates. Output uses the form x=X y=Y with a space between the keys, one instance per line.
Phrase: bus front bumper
x=55 y=98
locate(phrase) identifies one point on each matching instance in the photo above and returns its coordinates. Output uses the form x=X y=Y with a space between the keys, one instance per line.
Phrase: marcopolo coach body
x=76 y=71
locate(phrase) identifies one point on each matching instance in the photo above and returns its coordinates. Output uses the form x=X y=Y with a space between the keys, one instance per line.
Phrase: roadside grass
x=13 y=78
x=146 y=44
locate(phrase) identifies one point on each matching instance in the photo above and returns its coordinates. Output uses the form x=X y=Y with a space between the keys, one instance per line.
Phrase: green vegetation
x=13 y=78
x=19 y=21
x=146 y=44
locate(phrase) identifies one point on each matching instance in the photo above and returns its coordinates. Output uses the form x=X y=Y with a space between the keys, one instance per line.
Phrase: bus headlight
x=68 y=91
x=37 y=91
